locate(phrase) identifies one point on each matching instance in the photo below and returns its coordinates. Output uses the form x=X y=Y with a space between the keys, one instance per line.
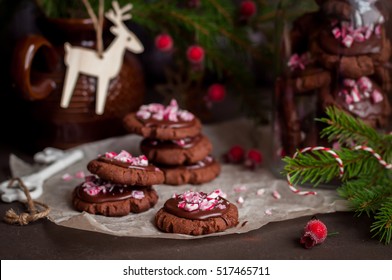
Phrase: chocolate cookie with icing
x=125 y=169
x=197 y=213
x=163 y=122
x=200 y=172
x=176 y=152
x=364 y=99
x=97 y=196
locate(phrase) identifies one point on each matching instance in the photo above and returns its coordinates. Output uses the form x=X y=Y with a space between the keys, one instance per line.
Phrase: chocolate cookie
x=164 y=123
x=176 y=152
x=197 y=213
x=332 y=45
x=201 y=172
x=124 y=169
x=364 y=99
x=96 y=196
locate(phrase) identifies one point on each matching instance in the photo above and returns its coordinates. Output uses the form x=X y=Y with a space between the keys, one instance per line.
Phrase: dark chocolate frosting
x=334 y=46
x=365 y=109
x=188 y=142
x=114 y=193
x=149 y=167
x=151 y=122
x=200 y=164
x=171 y=206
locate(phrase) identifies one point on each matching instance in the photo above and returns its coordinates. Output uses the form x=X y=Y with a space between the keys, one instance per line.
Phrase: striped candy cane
x=376 y=155
x=339 y=161
x=311 y=149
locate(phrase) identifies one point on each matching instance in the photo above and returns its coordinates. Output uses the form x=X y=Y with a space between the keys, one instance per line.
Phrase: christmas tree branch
x=222 y=11
x=382 y=227
x=188 y=20
x=347 y=129
x=367 y=178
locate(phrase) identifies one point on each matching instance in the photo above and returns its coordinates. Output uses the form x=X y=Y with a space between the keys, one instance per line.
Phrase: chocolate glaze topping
x=111 y=194
x=364 y=109
x=334 y=46
x=200 y=164
x=189 y=142
x=151 y=122
x=149 y=167
x=171 y=206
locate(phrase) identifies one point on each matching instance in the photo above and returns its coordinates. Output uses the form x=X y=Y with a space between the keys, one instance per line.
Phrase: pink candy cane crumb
x=276 y=195
x=240 y=188
x=377 y=97
x=260 y=192
x=268 y=211
x=80 y=175
x=110 y=154
x=138 y=194
x=67 y=177
x=240 y=200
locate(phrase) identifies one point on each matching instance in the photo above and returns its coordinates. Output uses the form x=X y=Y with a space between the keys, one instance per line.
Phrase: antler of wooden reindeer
x=118 y=15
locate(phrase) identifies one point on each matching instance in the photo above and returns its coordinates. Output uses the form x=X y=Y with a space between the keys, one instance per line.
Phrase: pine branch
x=365 y=194
x=382 y=227
x=347 y=129
x=320 y=167
x=366 y=183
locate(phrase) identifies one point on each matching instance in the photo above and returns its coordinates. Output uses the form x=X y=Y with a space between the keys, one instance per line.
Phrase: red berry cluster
x=195 y=53
x=237 y=155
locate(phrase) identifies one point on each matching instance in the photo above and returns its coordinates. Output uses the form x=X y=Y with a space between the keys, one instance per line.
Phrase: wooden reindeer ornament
x=105 y=67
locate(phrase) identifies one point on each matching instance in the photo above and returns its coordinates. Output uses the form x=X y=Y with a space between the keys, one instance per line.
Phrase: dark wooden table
x=279 y=240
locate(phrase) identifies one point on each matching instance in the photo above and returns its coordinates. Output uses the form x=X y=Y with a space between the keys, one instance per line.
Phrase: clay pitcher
x=38 y=72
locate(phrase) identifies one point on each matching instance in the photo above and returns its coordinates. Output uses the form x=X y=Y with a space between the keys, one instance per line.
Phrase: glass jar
x=337 y=55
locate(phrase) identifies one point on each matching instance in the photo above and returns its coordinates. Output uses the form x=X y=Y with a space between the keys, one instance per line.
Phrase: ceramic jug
x=38 y=72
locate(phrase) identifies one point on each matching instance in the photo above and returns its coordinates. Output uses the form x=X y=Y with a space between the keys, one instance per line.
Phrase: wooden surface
x=280 y=240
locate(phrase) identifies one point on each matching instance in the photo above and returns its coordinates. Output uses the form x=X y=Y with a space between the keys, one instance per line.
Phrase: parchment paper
x=234 y=180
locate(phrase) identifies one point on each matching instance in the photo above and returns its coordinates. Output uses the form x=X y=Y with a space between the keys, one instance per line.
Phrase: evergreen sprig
x=366 y=184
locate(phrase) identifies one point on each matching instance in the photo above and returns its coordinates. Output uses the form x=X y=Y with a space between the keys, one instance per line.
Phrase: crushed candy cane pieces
x=192 y=201
x=94 y=185
x=347 y=34
x=356 y=90
x=159 y=112
x=124 y=156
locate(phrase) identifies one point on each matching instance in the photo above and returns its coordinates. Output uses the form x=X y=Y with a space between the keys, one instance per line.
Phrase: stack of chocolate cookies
x=121 y=184
x=173 y=142
x=339 y=57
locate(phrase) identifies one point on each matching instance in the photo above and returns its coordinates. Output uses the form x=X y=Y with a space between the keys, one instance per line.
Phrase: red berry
x=216 y=93
x=235 y=154
x=255 y=155
x=253 y=158
x=195 y=54
x=315 y=232
x=247 y=8
x=164 y=42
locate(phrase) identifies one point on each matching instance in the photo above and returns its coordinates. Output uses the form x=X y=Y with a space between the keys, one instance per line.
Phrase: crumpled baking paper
x=235 y=180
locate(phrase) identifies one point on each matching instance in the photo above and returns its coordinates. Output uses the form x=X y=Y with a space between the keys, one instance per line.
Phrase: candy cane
x=311 y=149
x=376 y=155
x=339 y=161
